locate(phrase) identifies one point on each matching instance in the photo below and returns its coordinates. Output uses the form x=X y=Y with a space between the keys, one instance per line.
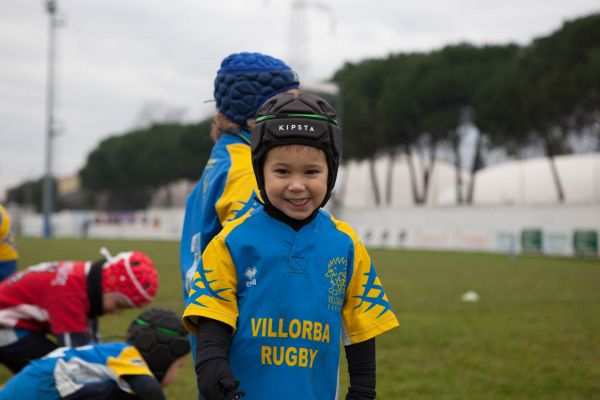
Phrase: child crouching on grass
x=155 y=348
x=65 y=299
x=279 y=288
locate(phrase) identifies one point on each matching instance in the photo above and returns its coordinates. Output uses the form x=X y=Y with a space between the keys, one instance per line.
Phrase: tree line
x=516 y=96
x=407 y=104
x=125 y=170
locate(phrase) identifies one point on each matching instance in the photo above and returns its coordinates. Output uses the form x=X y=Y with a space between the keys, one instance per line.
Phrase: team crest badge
x=336 y=272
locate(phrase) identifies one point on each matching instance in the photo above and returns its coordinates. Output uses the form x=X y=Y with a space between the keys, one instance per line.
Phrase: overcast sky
x=116 y=58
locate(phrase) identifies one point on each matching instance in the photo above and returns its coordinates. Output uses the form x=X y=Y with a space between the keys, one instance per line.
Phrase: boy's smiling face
x=296 y=179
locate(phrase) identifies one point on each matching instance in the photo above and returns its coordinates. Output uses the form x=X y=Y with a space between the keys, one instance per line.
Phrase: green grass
x=534 y=334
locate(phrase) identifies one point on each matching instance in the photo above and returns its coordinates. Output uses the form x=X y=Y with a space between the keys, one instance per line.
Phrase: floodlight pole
x=47 y=190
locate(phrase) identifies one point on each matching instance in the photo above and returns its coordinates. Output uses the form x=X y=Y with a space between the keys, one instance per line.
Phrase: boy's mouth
x=299 y=202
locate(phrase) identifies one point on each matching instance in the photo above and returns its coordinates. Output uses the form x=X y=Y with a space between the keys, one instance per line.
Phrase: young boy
x=227 y=188
x=65 y=298
x=155 y=348
x=279 y=288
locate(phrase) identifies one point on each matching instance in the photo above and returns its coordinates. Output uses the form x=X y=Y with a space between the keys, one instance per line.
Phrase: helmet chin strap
x=105 y=253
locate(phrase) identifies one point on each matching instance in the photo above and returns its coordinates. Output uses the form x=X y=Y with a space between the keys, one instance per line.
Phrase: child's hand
x=216 y=381
x=229 y=385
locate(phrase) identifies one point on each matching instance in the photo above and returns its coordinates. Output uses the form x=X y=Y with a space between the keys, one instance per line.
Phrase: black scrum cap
x=287 y=119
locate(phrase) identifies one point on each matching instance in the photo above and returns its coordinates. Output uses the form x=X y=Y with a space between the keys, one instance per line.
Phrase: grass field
x=534 y=334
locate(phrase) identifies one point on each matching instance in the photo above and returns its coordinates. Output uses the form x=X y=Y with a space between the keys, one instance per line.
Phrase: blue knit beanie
x=246 y=80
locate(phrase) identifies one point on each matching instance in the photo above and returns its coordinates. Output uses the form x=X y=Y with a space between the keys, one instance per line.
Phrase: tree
x=494 y=104
x=398 y=115
x=361 y=86
x=423 y=105
x=560 y=86
x=132 y=166
x=30 y=193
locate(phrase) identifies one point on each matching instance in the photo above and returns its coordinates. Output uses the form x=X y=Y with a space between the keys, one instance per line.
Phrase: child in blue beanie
x=227 y=188
x=246 y=80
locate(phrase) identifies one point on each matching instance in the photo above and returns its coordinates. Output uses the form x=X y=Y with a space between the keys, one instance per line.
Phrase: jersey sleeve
x=128 y=362
x=366 y=312
x=240 y=191
x=214 y=288
x=8 y=248
x=4 y=223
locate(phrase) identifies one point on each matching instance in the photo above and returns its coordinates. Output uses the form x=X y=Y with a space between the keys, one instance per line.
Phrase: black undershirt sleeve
x=145 y=387
x=361 y=368
x=213 y=340
x=214 y=377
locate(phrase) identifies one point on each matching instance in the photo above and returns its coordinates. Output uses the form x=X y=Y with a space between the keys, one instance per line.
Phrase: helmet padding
x=131 y=276
x=245 y=80
x=159 y=336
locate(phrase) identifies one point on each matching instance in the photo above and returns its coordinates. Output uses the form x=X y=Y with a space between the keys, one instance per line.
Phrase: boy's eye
x=281 y=171
x=312 y=171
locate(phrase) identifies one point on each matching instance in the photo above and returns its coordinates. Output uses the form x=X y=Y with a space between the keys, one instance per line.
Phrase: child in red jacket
x=65 y=298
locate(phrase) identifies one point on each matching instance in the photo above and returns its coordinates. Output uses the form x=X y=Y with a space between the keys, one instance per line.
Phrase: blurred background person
x=8 y=248
x=227 y=188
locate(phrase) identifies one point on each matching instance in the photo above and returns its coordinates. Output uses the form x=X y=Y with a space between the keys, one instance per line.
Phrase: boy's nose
x=296 y=185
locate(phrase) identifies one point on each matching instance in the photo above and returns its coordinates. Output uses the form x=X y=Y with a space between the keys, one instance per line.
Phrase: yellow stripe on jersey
x=211 y=297
x=128 y=362
x=8 y=250
x=366 y=312
x=4 y=222
x=240 y=185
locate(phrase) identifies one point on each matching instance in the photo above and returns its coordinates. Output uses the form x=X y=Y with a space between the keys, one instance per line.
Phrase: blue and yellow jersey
x=292 y=297
x=67 y=370
x=8 y=248
x=226 y=191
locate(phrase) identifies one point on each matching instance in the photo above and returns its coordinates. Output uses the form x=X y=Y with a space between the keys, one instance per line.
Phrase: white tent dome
x=521 y=182
x=354 y=188
x=530 y=181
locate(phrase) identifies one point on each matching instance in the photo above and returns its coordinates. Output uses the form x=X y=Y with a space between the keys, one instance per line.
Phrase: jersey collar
x=295 y=224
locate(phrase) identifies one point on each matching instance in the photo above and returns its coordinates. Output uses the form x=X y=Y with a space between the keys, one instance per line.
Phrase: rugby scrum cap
x=306 y=119
x=160 y=338
x=131 y=276
x=246 y=80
